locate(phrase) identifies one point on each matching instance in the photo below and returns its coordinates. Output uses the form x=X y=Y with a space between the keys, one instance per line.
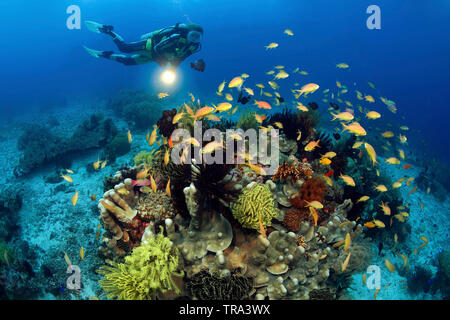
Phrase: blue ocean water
x=46 y=69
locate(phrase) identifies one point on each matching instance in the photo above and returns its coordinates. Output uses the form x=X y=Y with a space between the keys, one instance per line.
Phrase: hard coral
x=125 y=213
x=312 y=190
x=294 y=217
x=255 y=202
x=295 y=171
x=147 y=272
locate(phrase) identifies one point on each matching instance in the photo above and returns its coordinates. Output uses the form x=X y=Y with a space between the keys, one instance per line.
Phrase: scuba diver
x=167 y=47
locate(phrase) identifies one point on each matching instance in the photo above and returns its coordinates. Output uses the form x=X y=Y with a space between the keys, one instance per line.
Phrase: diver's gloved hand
x=106 y=29
x=106 y=54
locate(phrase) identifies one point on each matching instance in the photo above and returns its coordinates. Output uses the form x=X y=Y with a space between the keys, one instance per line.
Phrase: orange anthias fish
x=385 y=208
x=314 y=214
x=261 y=227
x=413 y=189
x=203 y=112
x=143 y=173
x=344 y=265
x=263 y=105
x=347 y=242
x=312 y=145
x=168 y=188
x=153 y=184
x=354 y=128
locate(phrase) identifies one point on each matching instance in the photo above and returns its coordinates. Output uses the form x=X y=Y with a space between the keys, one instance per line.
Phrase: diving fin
x=94 y=53
x=94 y=26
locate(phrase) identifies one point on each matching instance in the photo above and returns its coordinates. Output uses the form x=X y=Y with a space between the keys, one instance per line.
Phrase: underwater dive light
x=168 y=76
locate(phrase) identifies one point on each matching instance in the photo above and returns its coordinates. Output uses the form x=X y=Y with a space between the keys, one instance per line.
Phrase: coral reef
x=255 y=204
x=118 y=146
x=145 y=274
x=207 y=286
x=144 y=157
x=125 y=213
x=138 y=108
x=40 y=145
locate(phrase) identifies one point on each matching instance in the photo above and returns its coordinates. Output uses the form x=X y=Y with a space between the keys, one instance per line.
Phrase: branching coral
x=295 y=171
x=254 y=203
x=147 y=272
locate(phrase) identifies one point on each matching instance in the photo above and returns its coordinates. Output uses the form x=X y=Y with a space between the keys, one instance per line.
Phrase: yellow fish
x=344 y=265
x=143 y=173
x=67 y=178
x=389 y=265
x=385 y=208
x=307 y=88
x=342 y=65
x=203 y=112
x=396 y=185
x=343 y=116
x=402 y=138
x=162 y=95
x=153 y=184
x=271 y=45
x=104 y=163
x=338 y=84
x=354 y=128
x=371 y=152
x=425 y=242
x=176 y=118
x=381 y=188
x=244 y=76
x=328 y=180
x=348 y=180
x=75 y=198
x=379 y=223
x=66 y=257
x=364 y=279
x=279 y=125
x=235 y=82
x=69 y=171
x=373 y=115
x=212 y=146
x=229 y=97
x=224 y=106
x=392 y=160
x=363 y=198
x=281 y=75
x=325 y=161
x=168 y=188
x=270 y=72
x=314 y=213
x=299 y=136
x=302 y=107
x=357 y=144
x=153 y=136
x=312 y=145
x=303 y=73
x=249 y=91
x=82 y=253
x=329 y=155
x=221 y=86
x=167 y=156
x=315 y=204
x=404 y=128
x=401 y=153
x=387 y=134
x=130 y=138
x=369 y=99
x=288 y=32
x=347 y=242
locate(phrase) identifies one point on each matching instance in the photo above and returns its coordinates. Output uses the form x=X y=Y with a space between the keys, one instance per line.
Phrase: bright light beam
x=168 y=77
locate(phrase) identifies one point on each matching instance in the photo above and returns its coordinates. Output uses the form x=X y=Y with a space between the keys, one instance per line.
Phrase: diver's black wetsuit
x=163 y=46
